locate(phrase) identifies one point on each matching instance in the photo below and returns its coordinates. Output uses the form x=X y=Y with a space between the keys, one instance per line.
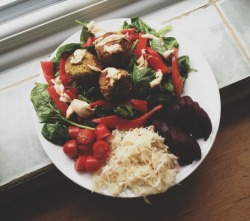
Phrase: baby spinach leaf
x=64 y=48
x=163 y=45
x=41 y=101
x=184 y=66
x=125 y=111
x=84 y=33
x=55 y=133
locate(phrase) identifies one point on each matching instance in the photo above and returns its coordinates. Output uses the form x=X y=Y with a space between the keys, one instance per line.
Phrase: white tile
x=205 y=30
x=238 y=16
x=20 y=73
x=20 y=150
x=175 y=9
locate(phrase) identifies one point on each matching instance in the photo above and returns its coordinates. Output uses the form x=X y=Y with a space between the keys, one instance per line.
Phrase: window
x=28 y=34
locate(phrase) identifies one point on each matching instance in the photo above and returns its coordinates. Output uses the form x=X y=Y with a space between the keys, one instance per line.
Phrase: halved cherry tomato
x=80 y=163
x=73 y=131
x=101 y=150
x=85 y=136
x=70 y=148
x=101 y=132
x=86 y=149
x=92 y=164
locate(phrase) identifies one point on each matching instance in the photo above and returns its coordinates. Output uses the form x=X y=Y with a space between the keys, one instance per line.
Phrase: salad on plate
x=113 y=103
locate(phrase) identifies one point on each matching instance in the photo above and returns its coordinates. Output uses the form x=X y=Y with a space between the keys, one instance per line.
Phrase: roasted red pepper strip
x=130 y=33
x=176 y=77
x=71 y=92
x=117 y=122
x=62 y=73
x=99 y=103
x=153 y=52
x=90 y=41
x=48 y=71
x=56 y=99
x=156 y=64
x=139 y=105
x=142 y=44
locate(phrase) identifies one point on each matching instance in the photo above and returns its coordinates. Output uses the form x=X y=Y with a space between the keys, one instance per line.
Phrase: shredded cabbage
x=139 y=162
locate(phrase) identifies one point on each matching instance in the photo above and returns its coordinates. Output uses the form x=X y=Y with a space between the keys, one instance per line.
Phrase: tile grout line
x=189 y=12
x=233 y=34
x=19 y=83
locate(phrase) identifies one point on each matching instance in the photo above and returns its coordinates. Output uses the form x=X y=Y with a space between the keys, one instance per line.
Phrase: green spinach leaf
x=55 y=133
x=125 y=111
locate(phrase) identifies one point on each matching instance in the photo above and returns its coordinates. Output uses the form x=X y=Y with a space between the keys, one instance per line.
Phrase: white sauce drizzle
x=93 y=29
x=113 y=74
x=78 y=56
x=157 y=81
x=112 y=37
x=112 y=49
x=81 y=108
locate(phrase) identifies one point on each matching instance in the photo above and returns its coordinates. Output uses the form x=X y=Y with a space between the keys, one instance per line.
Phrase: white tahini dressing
x=60 y=90
x=112 y=49
x=113 y=74
x=94 y=68
x=94 y=29
x=168 y=53
x=78 y=56
x=150 y=36
x=157 y=81
x=141 y=61
x=81 y=108
x=112 y=37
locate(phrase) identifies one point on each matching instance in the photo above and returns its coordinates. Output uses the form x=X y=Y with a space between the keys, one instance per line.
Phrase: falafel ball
x=114 y=50
x=115 y=84
x=82 y=66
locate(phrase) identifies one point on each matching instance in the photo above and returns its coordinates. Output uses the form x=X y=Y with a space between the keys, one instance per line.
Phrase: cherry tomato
x=80 y=163
x=70 y=148
x=101 y=132
x=101 y=150
x=85 y=136
x=92 y=164
x=73 y=131
x=86 y=149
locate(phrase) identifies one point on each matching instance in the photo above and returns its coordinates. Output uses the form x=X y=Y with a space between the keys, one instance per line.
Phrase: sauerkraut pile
x=139 y=163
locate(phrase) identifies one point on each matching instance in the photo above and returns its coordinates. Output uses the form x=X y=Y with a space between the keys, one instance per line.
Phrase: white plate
x=201 y=86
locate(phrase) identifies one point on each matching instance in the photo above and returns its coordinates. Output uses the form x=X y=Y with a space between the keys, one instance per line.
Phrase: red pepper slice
x=56 y=99
x=176 y=77
x=62 y=73
x=139 y=105
x=71 y=92
x=142 y=44
x=153 y=52
x=130 y=33
x=90 y=41
x=156 y=64
x=48 y=71
x=117 y=122
x=98 y=103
